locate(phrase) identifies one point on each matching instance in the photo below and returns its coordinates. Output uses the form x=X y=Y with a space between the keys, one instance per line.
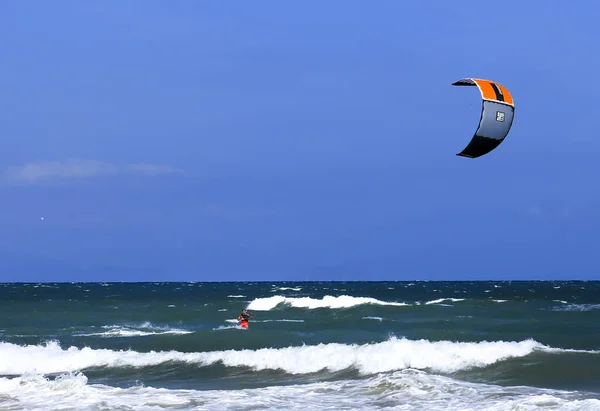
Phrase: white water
x=286 y=289
x=403 y=390
x=391 y=355
x=577 y=307
x=133 y=330
x=342 y=301
x=397 y=373
x=440 y=300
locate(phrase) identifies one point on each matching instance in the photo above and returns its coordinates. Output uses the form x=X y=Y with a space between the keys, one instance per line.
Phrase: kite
x=497 y=112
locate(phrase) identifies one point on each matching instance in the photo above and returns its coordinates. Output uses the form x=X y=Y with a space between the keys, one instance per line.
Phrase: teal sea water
x=311 y=346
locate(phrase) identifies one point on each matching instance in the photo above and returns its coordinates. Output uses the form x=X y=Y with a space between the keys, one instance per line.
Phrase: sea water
x=311 y=346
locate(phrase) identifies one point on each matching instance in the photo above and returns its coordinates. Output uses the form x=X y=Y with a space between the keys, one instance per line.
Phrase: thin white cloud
x=34 y=172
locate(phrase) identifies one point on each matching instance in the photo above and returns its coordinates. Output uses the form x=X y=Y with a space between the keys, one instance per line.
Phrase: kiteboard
x=244 y=323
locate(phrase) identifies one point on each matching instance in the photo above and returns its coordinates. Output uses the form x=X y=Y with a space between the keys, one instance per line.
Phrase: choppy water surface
x=313 y=345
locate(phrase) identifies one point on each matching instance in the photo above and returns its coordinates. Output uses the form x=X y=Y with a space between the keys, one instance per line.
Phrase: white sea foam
x=228 y=327
x=342 y=301
x=578 y=307
x=286 y=289
x=403 y=390
x=133 y=330
x=390 y=355
x=440 y=300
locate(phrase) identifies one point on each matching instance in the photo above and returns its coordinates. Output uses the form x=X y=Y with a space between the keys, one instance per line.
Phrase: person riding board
x=244 y=317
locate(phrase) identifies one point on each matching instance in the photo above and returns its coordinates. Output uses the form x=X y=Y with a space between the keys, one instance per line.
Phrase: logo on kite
x=497 y=104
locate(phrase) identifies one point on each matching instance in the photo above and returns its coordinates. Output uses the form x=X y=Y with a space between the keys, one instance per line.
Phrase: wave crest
x=328 y=301
x=390 y=355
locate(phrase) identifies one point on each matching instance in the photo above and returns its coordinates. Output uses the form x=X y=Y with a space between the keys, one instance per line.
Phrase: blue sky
x=295 y=141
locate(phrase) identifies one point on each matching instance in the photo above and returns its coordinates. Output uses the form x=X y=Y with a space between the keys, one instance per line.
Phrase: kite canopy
x=497 y=112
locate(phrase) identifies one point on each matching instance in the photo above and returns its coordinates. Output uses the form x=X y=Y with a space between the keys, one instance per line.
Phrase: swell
x=562 y=371
x=393 y=354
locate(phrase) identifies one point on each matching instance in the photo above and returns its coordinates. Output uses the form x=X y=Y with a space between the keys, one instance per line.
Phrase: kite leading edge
x=497 y=112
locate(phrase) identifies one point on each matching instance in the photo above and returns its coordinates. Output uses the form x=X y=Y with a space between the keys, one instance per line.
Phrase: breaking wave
x=328 y=301
x=391 y=355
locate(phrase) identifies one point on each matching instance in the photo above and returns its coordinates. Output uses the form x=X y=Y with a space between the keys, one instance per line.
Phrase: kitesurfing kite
x=497 y=112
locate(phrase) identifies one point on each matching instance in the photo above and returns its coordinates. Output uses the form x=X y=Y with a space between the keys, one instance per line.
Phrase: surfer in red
x=244 y=317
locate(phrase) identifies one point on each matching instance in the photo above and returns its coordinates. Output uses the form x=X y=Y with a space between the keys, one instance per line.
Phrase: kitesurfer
x=244 y=317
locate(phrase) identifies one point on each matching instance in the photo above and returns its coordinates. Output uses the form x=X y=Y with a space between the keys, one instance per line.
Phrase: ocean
x=421 y=345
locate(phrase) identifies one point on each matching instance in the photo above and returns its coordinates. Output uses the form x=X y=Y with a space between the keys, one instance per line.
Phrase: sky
x=292 y=141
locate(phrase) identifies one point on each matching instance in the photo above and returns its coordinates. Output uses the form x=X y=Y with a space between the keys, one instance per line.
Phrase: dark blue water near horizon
x=350 y=345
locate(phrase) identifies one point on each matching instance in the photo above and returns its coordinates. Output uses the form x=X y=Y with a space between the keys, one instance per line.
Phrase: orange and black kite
x=497 y=114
